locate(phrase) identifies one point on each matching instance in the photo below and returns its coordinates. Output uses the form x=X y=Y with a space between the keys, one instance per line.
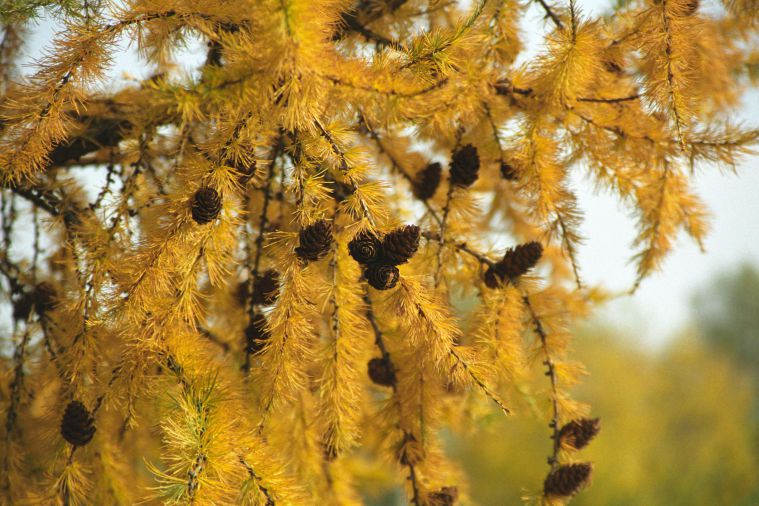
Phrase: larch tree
x=270 y=280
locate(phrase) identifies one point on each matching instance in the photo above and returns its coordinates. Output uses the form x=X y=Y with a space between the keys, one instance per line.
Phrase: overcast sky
x=662 y=304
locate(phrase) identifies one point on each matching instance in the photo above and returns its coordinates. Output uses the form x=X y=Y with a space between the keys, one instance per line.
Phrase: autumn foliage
x=272 y=280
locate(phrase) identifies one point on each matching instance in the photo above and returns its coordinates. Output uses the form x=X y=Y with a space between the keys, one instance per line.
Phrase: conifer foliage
x=242 y=276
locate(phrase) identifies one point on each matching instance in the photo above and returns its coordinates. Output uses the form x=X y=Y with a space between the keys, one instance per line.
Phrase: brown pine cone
x=365 y=248
x=206 y=205
x=315 y=241
x=508 y=172
x=265 y=288
x=567 y=480
x=382 y=276
x=465 y=165
x=77 y=426
x=256 y=334
x=381 y=372
x=427 y=181
x=579 y=433
x=519 y=259
x=446 y=496
x=400 y=244
x=45 y=297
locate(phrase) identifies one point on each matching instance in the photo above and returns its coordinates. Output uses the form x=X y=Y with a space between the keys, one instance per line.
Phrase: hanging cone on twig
x=446 y=496
x=381 y=372
x=465 y=166
x=382 y=276
x=515 y=262
x=400 y=244
x=427 y=181
x=206 y=205
x=77 y=426
x=365 y=248
x=579 y=433
x=315 y=241
x=568 y=479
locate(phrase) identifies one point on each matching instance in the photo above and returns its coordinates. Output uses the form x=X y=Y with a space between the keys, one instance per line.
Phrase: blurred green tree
x=727 y=315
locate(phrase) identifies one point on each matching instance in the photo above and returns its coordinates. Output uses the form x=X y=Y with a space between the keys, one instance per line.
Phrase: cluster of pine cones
x=568 y=479
x=380 y=258
x=464 y=170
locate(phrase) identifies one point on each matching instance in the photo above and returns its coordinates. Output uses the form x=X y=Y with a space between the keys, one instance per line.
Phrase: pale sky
x=662 y=304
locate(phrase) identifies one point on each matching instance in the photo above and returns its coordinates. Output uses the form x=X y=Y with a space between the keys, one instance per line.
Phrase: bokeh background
x=674 y=368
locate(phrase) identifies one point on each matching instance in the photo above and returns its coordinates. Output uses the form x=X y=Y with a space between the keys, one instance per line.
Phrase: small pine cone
x=77 y=426
x=382 y=276
x=381 y=372
x=578 y=433
x=45 y=296
x=256 y=334
x=265 y=288
x=567 y=480
x=315 y=241
x=427 y=181
x=206 y=205
x=446 y=496
x=365 y=248
x=520 y=259
x=400 y=244
x=465 y=164
x=508 y=172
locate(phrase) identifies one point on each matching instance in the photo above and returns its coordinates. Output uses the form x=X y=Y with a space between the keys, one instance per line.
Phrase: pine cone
x=427 y=180
x=508 y=172
x=265 y=288
x=578 y=433
x=256 y=334
x=315 y=241
x=77 y=426
x=382 y=276
x=381 y=372
x=206 y=205
x=567 y=480
x=365 y=248
x=45 y=297
x=446 y=496
x=518 y=260
x=400 y=244
x=465 y=165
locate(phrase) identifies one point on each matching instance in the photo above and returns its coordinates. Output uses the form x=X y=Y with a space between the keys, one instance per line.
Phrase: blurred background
x=674 y=368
